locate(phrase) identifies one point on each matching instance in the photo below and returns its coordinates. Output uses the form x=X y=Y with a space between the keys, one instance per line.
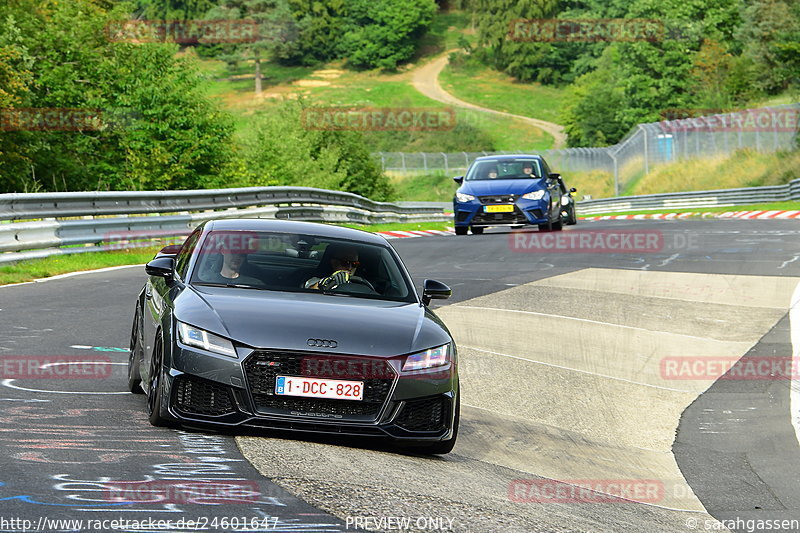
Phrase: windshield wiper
x=231 y=285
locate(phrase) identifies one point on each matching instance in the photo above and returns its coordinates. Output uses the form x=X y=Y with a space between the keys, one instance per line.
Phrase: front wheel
x=557 y=226
x=155 y=391
x=461 y=230
x=476 y=231
x=134 y=377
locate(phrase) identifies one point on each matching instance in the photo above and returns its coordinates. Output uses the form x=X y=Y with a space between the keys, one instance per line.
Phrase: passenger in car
x=227 y=268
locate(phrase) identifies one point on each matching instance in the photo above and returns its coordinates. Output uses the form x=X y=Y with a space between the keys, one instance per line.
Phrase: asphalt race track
x=575 y=392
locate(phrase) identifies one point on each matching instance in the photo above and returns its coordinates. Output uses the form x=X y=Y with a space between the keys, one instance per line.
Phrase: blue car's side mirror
x=459 y=179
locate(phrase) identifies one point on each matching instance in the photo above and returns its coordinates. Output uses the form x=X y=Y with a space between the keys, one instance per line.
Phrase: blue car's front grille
x=513 y=217
x=498 y=199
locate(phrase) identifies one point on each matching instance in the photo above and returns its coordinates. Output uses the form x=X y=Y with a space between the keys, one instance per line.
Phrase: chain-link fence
x=764 y=129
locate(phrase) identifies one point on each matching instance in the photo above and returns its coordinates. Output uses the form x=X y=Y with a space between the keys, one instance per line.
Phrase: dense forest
x=712 y=54
x=158 y=129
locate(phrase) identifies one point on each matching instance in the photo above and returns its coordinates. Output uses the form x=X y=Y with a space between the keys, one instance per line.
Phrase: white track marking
x=573 y=369
x=794 y=395
x=586 y=320
x=10 y=382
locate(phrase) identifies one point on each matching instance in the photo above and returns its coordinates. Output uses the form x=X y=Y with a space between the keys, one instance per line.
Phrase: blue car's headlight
x=199 y=338
x=427 y=359
x=534 y=195
x=461 y=197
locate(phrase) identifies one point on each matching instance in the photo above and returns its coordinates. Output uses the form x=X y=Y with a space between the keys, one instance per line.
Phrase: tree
x=769 y=34
x=384 y=33
x=284 y=151
x=592 y=106
x=172 y=9
x=275 y=26
x=170 y=134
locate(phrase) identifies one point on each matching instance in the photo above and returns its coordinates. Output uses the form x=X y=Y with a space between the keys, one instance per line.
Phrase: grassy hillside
x=480 y=85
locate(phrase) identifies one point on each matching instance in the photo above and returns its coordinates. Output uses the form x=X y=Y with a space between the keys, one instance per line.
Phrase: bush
x=282 y=151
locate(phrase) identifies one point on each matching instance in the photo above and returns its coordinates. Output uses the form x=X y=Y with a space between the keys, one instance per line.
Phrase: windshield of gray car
x=490 y=169
x=299 y=263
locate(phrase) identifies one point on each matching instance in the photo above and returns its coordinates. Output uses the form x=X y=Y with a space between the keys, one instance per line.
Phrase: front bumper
x=205 y=388
x=473 y=213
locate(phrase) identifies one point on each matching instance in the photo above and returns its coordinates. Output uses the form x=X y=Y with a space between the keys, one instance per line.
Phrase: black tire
x=557 y=226
x=156 y=387
x=476 y=231
x=445 y=446
x=134 y=376
x=461 y=230
x=546 y=227
x=573 y=218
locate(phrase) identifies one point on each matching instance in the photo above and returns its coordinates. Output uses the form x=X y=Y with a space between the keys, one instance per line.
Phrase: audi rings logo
x=322 y=343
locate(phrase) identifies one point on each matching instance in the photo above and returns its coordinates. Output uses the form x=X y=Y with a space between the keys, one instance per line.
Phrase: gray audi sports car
x=294 y=326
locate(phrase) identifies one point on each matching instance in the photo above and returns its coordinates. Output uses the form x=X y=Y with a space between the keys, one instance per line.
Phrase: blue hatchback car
x=511 y=190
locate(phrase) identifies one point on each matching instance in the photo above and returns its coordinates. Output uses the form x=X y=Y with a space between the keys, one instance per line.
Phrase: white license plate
x=498 y=208
x=319 y=388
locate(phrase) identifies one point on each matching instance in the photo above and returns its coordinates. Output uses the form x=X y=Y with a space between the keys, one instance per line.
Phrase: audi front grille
x=262 y=368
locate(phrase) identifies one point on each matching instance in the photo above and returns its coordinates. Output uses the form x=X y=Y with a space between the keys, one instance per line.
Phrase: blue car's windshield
x=504 y=169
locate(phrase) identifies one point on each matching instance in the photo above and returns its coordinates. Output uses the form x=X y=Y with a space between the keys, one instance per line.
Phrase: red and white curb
x=728 y=214
x=415 y=233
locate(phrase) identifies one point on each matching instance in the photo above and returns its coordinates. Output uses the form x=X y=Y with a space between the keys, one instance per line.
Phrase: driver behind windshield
x=342 y=264
x=527 y=169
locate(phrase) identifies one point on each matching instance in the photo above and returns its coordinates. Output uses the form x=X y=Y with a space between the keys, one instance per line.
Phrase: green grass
x=478 y=131
x=775 y=206
x=436 y=187
x=744 y=168
x=480 y=85
x=62 y=264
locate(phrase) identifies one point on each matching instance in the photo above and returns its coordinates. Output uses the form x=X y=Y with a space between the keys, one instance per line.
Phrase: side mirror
x=161 y=267
x=573 y=190
x=459 y=179
x=435 y=290
x=554 y=176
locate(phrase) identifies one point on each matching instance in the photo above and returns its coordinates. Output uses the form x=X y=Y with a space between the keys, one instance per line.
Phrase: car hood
x=499 y=187
x=282 y=320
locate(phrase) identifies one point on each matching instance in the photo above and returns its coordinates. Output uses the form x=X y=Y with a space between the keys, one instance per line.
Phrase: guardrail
x=43 y=224
x=695 y=199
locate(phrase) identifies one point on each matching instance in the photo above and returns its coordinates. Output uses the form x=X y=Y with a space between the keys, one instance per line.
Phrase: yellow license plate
x=498 y=208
